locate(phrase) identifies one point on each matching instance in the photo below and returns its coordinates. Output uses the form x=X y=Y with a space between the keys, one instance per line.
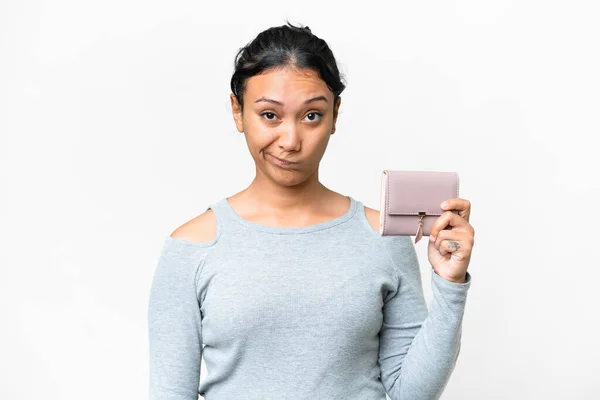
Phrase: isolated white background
x=116 y=128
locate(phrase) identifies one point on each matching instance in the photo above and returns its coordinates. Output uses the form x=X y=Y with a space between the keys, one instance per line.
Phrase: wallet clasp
x=419 y=233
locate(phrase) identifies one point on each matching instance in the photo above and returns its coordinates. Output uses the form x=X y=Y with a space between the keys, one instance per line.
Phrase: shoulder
x=200 y=229
x=397 y=242
x=373 y=218
x=399 y=247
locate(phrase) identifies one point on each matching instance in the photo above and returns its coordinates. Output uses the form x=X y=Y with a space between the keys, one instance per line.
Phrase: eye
x=267 y=113
x=269 y=116
x=315 y=113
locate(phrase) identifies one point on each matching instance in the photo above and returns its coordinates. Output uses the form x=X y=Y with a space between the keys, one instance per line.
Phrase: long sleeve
x=175 y=325
x=419 y=348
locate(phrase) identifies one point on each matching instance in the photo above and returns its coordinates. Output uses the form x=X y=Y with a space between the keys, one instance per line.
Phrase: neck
x=278 y=198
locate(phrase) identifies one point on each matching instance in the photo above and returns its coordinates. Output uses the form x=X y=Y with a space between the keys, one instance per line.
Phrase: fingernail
x=431 y=238
x=444 y=205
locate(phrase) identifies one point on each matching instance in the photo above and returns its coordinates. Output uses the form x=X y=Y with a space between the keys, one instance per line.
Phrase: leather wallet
x=410 y=201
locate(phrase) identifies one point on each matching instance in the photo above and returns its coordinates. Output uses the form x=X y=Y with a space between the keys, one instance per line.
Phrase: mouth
x=280 y=162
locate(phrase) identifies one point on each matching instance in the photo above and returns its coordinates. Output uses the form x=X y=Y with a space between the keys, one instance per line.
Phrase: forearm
x=432 y=356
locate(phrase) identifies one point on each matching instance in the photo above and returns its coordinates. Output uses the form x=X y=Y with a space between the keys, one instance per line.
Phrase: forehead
x=289 y=84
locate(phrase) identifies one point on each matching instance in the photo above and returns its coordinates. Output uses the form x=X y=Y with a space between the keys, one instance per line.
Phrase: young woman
x=288 y=285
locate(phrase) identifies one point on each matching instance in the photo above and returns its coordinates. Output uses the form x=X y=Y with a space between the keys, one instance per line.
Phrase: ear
x=336 y=108
x=236 y=110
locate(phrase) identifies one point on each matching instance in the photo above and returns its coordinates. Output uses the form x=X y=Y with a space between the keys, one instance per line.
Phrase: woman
x=288 y=284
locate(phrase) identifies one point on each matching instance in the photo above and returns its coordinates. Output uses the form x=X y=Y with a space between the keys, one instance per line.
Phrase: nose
x=289 y=139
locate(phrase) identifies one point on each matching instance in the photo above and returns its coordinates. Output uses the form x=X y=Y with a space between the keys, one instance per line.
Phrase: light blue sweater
x=327 y=311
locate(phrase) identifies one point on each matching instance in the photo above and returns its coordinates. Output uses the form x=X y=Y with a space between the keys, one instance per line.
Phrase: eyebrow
x=318 y=98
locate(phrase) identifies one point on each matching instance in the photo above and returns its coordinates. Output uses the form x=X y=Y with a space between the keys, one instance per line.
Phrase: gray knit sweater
x=327 y=311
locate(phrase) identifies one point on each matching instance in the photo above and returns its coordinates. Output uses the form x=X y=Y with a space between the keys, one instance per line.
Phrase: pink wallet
x=410 y=201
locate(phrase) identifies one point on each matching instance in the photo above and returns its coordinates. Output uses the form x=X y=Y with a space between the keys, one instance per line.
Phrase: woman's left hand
x=450 y=252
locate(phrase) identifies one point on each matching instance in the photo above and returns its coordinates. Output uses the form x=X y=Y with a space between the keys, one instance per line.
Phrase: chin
x=285 y=177
x=288 y=178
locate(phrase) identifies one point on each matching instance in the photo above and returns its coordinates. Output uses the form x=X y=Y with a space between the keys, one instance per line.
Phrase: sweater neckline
x=291 y=230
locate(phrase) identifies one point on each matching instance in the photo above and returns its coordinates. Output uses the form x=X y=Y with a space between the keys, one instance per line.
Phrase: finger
x=464 y=241
x=463 y=206
x=451 y=234
x=445 y=235
x=448 y=218
x=455 y=203
x=448 y=246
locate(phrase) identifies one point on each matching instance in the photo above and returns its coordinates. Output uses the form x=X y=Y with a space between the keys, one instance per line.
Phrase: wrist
x=452 y=279
x=463 y=280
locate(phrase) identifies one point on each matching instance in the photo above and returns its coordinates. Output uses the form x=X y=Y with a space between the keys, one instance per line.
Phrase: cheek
x=260 y=138
x=259 y=141
x=257 y=133
x=323 y=141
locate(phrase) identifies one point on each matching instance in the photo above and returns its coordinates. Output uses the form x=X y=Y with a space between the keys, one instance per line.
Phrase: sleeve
x=419 y=348
x=175 y=326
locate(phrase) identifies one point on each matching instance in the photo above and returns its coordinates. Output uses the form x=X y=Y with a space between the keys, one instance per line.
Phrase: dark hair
x=285 y=46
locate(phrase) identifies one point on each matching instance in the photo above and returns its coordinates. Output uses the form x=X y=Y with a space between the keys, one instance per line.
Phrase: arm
x=419 y=349
x=175 y=326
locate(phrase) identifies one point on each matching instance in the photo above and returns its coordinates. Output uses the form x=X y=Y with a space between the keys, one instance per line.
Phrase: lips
x=282 y=160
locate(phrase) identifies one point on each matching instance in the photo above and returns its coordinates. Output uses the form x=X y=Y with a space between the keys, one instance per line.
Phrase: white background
x=116 y=128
